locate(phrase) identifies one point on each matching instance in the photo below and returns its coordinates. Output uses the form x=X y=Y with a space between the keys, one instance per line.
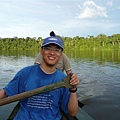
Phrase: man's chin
x=51 y=64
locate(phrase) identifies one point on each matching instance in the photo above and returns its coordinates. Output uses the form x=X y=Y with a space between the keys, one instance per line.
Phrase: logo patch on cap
x=53 y=39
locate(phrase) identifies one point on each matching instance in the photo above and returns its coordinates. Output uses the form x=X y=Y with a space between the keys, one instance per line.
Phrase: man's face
x=51 y=54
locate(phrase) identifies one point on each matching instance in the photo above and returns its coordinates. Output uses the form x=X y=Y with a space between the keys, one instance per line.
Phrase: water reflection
x=101 y=56
x=19 y=53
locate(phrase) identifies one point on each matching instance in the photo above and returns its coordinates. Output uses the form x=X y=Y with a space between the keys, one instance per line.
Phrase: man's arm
x=38 y=59
x=2 y=94
x=73 y=100
x=73 y=104
x=66 y=64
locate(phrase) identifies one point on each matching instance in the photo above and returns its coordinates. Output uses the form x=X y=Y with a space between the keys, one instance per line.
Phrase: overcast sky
x=69 y=18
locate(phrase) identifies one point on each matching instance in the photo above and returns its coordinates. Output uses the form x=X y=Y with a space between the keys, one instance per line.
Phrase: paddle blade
x=66 y=81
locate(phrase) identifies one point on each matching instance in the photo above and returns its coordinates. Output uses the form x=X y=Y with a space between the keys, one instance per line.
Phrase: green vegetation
x=20 y=43
x=99 y=42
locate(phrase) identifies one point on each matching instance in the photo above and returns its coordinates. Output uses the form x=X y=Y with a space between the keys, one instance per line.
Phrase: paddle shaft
x=32 y=92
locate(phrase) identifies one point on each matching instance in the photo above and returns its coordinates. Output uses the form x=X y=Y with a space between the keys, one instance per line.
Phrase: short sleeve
x=67 y=65
x=12 y=87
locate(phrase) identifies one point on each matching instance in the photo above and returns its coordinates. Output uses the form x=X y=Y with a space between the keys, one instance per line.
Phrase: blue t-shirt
x=44 y=106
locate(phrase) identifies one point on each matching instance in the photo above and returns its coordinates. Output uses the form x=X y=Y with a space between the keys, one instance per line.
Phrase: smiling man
x=44 y=106
x=51 y=52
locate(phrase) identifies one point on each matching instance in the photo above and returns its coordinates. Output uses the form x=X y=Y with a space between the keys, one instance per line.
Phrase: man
x=44 y=106
x=63 y=64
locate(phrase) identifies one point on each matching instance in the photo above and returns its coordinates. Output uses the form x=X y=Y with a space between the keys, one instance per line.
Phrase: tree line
x=99 y=42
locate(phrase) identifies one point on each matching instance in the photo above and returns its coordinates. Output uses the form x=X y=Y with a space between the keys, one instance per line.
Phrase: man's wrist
x=73 y=90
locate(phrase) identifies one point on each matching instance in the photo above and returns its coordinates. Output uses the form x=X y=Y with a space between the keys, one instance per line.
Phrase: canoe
x=82 y=115
x=6 y=110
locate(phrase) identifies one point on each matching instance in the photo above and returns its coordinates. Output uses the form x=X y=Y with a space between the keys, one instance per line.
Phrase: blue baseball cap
x=53 y=40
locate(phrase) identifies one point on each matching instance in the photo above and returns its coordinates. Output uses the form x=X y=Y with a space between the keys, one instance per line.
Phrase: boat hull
x=6 y=110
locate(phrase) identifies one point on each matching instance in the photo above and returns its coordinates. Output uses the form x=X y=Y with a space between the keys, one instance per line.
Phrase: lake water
x=99 y=72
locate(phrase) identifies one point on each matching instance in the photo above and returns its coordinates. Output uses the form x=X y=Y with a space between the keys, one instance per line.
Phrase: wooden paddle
x=64 y=83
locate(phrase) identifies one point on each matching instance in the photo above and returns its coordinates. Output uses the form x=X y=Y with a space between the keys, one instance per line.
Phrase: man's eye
x=57 y=50
x=48 y=48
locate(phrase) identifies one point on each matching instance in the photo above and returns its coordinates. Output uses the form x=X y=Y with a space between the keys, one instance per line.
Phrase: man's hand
x=74 y=81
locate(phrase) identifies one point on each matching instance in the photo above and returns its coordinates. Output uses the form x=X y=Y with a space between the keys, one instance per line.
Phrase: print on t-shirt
x=42 y=101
